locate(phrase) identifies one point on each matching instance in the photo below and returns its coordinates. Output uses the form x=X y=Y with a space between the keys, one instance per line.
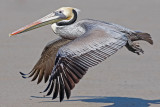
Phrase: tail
x=134 y=47
x=142 y=36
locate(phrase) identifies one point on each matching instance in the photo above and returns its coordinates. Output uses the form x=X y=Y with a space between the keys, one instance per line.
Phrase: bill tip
x=10 y=35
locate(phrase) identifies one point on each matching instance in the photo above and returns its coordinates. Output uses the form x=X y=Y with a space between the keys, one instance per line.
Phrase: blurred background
x=121 y=78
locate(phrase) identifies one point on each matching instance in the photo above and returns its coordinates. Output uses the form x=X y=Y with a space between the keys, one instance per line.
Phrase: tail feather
x=142 y=36
x=145 y=36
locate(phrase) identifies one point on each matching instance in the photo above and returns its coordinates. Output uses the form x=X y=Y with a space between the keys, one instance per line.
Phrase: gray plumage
x=82 y=45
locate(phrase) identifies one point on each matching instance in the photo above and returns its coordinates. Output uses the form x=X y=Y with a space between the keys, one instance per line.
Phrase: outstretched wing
x=74 y=59
x=45 y=64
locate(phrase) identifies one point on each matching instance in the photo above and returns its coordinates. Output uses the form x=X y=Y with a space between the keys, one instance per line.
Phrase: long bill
x=49 y=19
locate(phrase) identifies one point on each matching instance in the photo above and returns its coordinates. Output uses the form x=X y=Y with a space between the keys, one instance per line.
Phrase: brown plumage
x=70 y=69
x=141 y=36
x=82 y=45
x=44 y=66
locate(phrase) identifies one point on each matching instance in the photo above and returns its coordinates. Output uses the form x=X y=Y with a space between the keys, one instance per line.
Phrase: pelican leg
x=134 y=47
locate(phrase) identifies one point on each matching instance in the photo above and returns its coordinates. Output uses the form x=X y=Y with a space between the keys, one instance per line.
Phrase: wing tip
x=22 y=73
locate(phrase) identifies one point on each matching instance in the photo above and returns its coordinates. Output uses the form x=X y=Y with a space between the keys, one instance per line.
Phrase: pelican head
x=62 y=16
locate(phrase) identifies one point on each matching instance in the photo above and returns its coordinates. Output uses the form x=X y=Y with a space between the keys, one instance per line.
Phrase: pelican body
x=81 y=45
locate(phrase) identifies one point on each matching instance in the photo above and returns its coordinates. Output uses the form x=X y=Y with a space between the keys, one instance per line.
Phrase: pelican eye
x=60 y=11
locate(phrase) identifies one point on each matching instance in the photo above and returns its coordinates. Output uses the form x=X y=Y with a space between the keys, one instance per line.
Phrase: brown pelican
x=81 y=45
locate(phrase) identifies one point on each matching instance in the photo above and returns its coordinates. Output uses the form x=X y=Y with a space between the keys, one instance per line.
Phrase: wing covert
x=74 y=59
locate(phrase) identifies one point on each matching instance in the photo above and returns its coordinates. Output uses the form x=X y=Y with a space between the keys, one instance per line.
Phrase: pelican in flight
x=80 y=45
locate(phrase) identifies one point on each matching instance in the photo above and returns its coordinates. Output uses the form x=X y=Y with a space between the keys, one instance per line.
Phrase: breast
x=69 y=32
